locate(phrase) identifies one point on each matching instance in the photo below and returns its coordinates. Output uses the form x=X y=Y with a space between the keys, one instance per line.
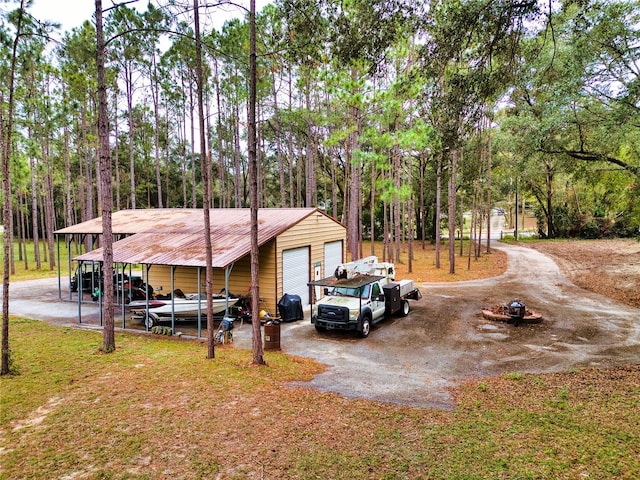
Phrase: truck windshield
x=352 y=292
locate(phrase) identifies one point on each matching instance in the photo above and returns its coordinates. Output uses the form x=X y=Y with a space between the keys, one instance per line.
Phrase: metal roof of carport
x=144 y=220
x=230 y=237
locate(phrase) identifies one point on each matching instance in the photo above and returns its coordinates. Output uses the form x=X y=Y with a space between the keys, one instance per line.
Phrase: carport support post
x=173 y=301
x=101 y=293
x=122 y=296
x=199 y=304
x=515 y=231
x=58 y=265
x=146 y=296
x=68 y=240
x=79 y=283
x=227 y=274
x=146 y=311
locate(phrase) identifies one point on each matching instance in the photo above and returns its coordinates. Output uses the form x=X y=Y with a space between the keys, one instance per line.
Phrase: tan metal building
x=297 y=245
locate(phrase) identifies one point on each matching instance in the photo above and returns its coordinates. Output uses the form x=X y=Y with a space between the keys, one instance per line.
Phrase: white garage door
x=295 y=273
x=332 y=257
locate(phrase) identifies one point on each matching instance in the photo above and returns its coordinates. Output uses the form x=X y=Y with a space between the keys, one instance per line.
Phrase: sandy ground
x=610 y=267
x=445 y=339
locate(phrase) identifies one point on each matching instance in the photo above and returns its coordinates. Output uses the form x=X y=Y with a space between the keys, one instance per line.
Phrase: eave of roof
x=184 y=245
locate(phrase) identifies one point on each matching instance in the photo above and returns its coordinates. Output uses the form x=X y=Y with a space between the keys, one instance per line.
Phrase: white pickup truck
x=360 y=294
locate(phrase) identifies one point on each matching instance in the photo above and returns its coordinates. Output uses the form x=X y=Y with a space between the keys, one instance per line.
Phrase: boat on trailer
x=189 y=306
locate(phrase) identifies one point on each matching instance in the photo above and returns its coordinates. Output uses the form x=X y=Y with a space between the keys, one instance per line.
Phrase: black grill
x=332 y=313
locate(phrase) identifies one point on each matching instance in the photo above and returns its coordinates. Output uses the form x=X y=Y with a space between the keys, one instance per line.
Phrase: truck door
x=377 y=305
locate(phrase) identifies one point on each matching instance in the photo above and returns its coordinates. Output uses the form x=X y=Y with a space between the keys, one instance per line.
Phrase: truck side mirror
x=381 y=297
x=326 y=291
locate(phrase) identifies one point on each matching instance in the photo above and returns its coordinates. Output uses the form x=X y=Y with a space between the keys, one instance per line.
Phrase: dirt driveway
x=444 y=340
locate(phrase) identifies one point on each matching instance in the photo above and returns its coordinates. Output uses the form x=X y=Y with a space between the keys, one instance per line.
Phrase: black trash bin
x=290 y=308
x=272 y=335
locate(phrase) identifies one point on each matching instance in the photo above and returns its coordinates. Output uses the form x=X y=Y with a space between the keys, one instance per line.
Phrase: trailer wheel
x=149 y=321
x=365 y=327
x=404 y=309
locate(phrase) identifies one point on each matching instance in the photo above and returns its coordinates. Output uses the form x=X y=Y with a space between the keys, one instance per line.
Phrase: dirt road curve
x=609 y=267
x=444 y=340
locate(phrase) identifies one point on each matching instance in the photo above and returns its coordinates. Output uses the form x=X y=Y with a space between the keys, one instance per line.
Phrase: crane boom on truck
x=360 y=294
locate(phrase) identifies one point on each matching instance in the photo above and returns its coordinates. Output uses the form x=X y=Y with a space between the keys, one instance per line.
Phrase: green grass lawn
x=30 y=271
x=157 y=408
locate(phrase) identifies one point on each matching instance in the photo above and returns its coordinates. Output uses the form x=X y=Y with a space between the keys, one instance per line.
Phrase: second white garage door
x=295 y=273
x=332 y=257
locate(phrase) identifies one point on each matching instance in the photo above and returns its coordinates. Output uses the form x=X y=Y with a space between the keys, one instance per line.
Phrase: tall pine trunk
x=194 y=202
x=396 y=202
x=310 y=177
x=155 y=93
x=354 y=192
x=452 y=211
x=438 y=213
x=410 y=214
x=109 y=342
x=236 y=158
x=372 y=209
x=49 y=208
x=116 y=152
x=253 y=190
x=34 y=211
x=132 y=163
x=205 y=182
x=487 y=149
x=353 y=225
x=5 y=145
x=279 y=152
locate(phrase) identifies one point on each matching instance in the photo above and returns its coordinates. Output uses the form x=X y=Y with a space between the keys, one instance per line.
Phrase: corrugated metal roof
x=184 y=245
x=139 y=220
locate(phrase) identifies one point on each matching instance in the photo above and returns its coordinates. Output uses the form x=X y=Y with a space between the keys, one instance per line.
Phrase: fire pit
x=515 y=312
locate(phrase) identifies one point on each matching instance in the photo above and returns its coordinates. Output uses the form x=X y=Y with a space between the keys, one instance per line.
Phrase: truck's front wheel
x=365 y=327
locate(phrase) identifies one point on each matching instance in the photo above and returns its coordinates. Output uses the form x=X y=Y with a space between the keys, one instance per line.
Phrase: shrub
x=625 y=227
x=590 y=230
